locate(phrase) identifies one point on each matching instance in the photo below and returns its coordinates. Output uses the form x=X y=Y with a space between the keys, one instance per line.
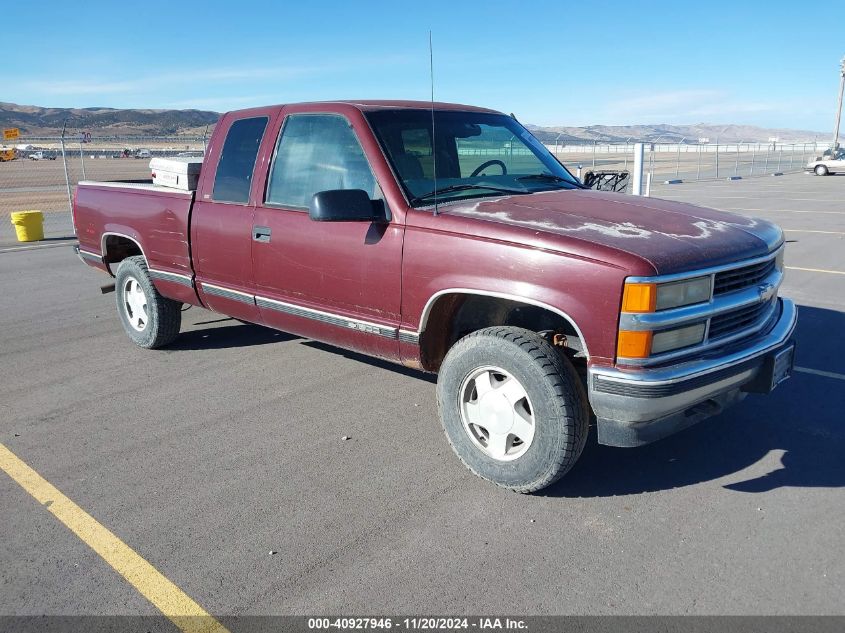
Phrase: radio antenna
x=433 y=136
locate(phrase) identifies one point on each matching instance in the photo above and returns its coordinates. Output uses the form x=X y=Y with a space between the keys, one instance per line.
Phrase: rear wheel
x=513 y=408
x=821 y=170
x=149 y=319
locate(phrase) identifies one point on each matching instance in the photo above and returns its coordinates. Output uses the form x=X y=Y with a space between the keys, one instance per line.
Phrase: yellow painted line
x=774 y=210
x=805 y=211
x=186 y=614
x=786 y=211
x=816 y=270
x=813 y=231
x=819 y=372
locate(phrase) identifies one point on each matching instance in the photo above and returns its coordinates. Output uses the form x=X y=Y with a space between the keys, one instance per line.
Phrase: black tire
x=164 y=316
x=556 y=394
x=821 y=170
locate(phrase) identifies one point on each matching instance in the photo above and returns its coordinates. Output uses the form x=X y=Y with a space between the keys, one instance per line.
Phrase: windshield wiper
x=453 y=188
x=548 y=178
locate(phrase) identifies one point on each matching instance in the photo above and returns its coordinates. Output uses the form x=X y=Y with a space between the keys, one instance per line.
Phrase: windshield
x=478 y=154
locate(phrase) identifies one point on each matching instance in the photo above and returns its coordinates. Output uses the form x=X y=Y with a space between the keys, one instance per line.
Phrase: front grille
x=743 y=303
x=738 y=320
x=739 y=278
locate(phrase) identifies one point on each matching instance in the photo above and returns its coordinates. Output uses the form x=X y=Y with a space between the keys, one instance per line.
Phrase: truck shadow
x=804 y=418
x=374 y=362
x=234 y=334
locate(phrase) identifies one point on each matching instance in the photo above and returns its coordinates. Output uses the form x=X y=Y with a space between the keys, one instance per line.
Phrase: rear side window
x=237 y=160
x=317 y=152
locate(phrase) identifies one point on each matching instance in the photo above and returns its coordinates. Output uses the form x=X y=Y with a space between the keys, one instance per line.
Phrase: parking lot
x=220 y=461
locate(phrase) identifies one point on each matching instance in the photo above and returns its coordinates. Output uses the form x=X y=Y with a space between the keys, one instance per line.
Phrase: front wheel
x=821 y=170
x=149 y=319
x=512 y=407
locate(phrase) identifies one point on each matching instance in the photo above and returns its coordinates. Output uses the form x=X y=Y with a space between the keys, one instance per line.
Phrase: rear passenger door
x=333 y=281
x=222 y=220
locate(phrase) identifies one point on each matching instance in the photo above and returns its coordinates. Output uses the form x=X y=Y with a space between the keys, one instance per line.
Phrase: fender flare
x=124 y=236
x=498 y=295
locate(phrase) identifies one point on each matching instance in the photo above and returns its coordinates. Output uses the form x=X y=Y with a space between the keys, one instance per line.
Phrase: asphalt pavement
x=220 y=460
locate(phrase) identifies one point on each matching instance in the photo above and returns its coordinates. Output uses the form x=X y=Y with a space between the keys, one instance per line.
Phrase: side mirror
x=345 y=205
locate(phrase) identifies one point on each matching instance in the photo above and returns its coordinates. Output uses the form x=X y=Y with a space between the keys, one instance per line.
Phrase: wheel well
x=455 y=315
x=116 y=248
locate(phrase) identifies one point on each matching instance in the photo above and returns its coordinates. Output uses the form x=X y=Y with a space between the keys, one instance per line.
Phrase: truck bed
x=108 y=215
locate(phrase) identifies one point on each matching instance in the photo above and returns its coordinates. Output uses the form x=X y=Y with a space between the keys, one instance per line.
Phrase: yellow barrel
x=29 y=225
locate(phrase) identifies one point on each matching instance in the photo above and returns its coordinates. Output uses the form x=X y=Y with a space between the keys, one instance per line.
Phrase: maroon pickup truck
x=447 y=238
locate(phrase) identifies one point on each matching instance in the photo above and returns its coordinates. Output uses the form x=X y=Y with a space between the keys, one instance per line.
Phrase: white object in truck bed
x=178 y=173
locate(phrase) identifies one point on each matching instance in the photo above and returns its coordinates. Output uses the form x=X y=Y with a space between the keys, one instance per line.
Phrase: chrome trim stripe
x=499 y=295
x=720 y=304
x=89 y=255
x=327 y=317
x=136 y=185
x=407 y=336
x=782 y=330
x=166 y=275
x=701 y=272
x=227 y=293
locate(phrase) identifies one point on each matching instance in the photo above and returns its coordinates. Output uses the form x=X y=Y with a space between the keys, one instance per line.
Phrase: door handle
x=261 y=233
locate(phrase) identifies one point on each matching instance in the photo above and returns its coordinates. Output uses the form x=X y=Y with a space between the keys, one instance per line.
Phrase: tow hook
x=558 y=339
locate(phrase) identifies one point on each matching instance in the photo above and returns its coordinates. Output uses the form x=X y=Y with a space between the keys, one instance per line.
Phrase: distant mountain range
x=38 y=121
x=673 y=133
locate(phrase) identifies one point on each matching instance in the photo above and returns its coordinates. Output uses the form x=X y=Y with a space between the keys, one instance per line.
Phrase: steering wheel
x=484 y=166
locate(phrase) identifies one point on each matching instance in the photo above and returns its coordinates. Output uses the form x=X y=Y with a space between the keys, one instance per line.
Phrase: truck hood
x=671 y=236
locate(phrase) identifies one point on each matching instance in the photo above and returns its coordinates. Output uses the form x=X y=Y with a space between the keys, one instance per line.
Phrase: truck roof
x=368 y=105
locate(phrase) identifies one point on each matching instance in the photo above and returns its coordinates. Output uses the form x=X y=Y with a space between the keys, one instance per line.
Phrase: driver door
x=337 y=282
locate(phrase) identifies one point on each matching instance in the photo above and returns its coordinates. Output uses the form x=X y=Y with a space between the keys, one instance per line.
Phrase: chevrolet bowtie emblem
x=767 y=291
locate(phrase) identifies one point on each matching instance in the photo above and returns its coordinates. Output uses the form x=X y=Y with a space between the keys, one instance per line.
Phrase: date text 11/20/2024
x=418 y=624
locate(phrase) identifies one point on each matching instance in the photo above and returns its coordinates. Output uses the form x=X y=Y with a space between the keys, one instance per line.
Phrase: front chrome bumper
x=638 y=406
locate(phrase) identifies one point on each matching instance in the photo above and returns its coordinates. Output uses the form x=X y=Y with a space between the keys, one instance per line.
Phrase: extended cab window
x=237 y=160
x=317 y=152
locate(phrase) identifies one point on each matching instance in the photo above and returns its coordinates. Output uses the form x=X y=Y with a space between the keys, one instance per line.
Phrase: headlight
x=653 y=297
x=683 y=293
x=669 y=340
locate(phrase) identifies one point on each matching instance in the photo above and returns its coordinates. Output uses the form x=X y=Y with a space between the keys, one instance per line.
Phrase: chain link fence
x=665 y=162
x=37 y=175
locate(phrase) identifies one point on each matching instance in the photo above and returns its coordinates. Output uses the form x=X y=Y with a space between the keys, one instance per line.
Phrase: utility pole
x=839 y=107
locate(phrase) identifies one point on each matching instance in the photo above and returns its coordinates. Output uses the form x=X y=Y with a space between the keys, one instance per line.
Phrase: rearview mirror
x=345 y=205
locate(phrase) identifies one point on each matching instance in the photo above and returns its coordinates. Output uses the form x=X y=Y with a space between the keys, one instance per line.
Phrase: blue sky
x=771 y=63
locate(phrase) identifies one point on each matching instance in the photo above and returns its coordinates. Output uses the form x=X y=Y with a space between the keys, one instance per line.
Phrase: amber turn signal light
x=639 y=298
x=634 y=344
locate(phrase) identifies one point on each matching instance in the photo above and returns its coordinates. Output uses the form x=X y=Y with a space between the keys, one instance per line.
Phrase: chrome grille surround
x=743 y=299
